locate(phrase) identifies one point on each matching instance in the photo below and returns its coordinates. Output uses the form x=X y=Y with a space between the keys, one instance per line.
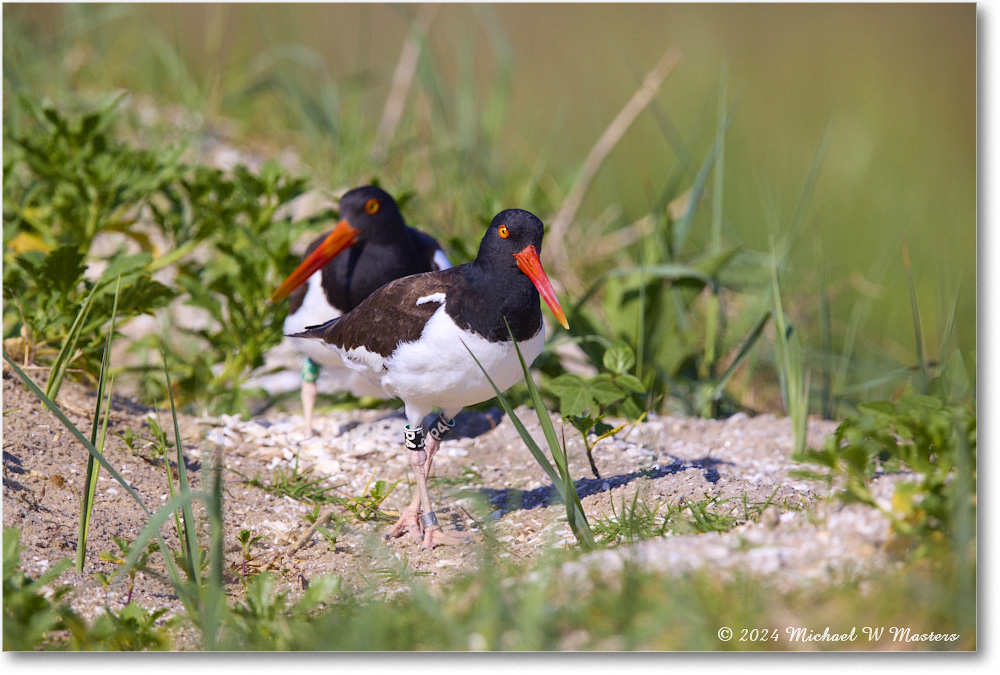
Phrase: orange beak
x=529 y=263
x=335 y=243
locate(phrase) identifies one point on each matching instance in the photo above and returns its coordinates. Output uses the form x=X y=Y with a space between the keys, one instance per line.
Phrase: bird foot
x=435 y=536
x=409 y=521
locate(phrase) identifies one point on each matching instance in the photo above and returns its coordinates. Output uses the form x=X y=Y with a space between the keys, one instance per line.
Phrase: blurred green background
x=882 y=98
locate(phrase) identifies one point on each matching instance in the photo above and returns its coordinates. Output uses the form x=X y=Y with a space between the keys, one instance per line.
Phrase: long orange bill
x=529 y=263
x=336 y=242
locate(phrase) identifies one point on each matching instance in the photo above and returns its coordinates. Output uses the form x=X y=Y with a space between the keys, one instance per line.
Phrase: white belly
x=438 y=370
x=314 y=310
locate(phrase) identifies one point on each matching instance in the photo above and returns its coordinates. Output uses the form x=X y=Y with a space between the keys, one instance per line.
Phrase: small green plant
x=584 y=402
x=67 y=181
x=330 y=535
x=124 y=548
x=134 y=628
x=37 y=616
x=367 y=506
x=246 y=539
x=237 y=216
x=928 y=435
x=397 y=569
x=269 y=619
x=469 y=476
x=703 y=516
x=635 y=520
x=29 y=613
x=295 y=483
x=630 y=522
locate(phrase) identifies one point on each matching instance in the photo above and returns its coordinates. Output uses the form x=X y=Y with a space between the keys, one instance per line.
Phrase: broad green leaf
x=61 y=270
x=619 y=358
x=882 y=408
x=631 y=382
x=604 y=390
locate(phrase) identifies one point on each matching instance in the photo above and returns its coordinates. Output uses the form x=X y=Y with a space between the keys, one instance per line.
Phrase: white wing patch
x=441 y=261
x=433 y=297
x=362 y=360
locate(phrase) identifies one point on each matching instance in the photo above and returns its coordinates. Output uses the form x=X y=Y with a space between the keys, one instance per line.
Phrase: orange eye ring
x=372 y=206
x=503 y=231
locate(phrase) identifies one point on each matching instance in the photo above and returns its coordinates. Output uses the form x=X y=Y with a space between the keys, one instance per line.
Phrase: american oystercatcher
x=413 y=338
x=381 y=248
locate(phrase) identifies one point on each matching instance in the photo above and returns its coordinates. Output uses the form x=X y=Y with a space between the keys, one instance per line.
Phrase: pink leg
x=411 y=519
x=309 y=391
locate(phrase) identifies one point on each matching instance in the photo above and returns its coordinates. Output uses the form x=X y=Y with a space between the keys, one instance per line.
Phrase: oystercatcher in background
x=412 y=338
x=380 y=247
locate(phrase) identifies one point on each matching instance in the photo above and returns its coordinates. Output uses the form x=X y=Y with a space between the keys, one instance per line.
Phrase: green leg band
x=310 y=370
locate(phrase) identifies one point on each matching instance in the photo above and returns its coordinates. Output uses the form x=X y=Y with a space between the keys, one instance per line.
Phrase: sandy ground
x=484 y=481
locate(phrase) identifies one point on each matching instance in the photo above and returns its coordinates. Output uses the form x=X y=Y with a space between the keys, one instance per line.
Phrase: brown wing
x=388 y=316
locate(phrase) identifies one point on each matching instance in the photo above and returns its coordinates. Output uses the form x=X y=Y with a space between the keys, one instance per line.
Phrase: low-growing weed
x=30 y=613
x=295 y=483
x=119 y=559
x=583 y=402
x=330 y=535
x=246 y=540
x=133 y=628
x=629 y=522
x=928 y=436
x=270 y=620
x=68 y=181
x=635 y=519
x=367 y=506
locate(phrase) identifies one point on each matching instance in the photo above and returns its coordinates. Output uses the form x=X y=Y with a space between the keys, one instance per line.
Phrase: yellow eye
x=503 y=232
x=372 y=206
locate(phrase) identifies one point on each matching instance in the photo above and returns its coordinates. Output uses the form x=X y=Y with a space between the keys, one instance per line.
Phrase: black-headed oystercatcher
x=381 y=247
x=412 y=338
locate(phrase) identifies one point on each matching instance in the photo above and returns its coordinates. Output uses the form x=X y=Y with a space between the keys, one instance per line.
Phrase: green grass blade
x=713 y=311
x=752 y=337
x=577 y=517
x=574 y=509
x=187 y=591
x=93 y=468
x=190 y=537
x=683 y=226
x=826 y=406
x=65 y=354
x=794 y=386
x=918 y=330
x=949 y=327
x=215 y=600
x=720 y=164
x=536 y=451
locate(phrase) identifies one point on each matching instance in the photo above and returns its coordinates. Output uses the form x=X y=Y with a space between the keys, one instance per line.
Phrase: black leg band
x=428 y=519
x=413 y=439
x=440 y=428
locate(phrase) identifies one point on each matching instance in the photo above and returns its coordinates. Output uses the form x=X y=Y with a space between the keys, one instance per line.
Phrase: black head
x=510 y=248
x=367 y=214
x=371 y=210
x=511 y=232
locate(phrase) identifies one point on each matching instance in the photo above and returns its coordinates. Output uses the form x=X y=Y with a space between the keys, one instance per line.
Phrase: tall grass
x=562 y=480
